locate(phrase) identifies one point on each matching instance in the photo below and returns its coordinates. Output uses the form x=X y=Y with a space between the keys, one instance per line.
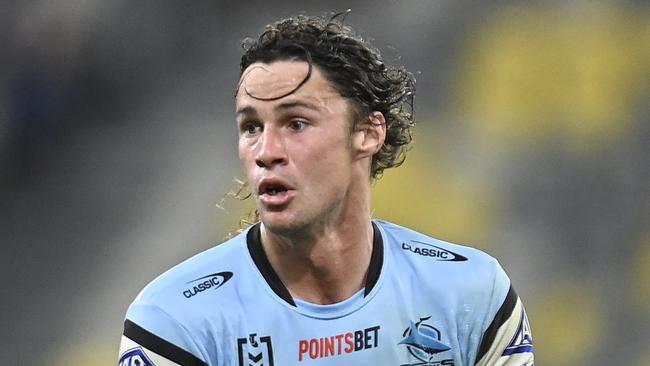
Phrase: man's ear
x=369 y=135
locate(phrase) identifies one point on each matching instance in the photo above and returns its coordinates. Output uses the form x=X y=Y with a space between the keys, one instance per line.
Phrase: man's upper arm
x=143 y=348
x=152 y=337
x=508 y=340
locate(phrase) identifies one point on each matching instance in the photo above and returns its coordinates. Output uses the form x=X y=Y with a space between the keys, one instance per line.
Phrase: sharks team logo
x=423 y=343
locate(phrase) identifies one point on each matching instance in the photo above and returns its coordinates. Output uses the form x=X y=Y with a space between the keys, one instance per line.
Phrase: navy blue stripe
x=254 y=243
x=520 y=349
x=500 y=318
x=376 y=260
x=160 y=346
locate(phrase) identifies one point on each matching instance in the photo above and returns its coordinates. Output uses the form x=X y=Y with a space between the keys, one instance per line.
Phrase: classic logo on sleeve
x=424 y=344
x=135 y=357
x=432 y=251
x=211 y=281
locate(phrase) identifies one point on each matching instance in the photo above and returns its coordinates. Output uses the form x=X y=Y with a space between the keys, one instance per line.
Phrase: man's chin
x=280 y=223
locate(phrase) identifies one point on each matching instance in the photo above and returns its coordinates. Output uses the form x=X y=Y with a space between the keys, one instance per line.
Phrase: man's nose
x=271 y=150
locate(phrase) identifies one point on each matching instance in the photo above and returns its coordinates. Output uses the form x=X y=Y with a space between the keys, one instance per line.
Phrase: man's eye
x=297 y=125
x=250 y=128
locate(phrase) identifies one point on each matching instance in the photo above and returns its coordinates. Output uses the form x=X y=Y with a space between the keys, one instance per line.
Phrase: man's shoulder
x=415 y=244
x=208 y=270
x=182 y=305
x=440 y=265
x=449 y=273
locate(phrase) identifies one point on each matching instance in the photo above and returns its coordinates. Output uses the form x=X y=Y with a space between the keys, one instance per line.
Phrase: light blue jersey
x=426 y=302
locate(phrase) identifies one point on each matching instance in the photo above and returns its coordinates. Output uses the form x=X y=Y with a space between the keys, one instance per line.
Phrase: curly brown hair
x=353 y=66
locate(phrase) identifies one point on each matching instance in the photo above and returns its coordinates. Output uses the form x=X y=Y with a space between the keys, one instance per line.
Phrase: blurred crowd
x=117 y=142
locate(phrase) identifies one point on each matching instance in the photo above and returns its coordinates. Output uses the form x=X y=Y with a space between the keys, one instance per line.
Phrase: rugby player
x=317 y=280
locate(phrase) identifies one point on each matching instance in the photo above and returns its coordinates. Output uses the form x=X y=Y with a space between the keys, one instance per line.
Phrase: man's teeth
x=275 y=190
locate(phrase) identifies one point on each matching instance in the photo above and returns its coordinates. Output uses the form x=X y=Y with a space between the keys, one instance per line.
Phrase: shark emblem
x=423 y=342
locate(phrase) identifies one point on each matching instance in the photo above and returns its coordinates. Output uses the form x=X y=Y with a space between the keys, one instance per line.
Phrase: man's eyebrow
x=246 y=110
x=294 y=104
x=282 y=106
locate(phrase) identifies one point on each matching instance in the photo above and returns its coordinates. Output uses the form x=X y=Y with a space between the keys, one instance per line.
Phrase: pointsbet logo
x=339 y=344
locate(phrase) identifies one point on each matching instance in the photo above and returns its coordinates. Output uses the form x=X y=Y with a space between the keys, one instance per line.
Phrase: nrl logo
x=254 y=352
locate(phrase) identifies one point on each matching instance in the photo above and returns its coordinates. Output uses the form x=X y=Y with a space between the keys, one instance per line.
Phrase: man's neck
x=329 y=263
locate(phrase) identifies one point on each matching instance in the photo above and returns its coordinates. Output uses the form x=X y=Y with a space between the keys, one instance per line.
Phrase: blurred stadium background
x=117 y=139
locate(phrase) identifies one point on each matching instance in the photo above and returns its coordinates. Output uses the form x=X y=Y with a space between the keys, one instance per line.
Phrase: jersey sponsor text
x=214 y=281
x=433 y=252
x=338 y=344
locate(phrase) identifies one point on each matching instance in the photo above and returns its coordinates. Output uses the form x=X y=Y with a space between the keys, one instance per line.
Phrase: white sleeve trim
x=132 y=353
x=513 y=343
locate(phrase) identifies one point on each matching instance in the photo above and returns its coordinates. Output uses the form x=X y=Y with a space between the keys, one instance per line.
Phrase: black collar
x=254 y=243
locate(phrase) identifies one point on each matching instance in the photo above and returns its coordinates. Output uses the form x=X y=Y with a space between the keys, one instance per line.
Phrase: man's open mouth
x=273 y=189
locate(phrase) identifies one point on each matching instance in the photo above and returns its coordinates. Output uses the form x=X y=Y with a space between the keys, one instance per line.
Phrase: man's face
x=295 y=150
